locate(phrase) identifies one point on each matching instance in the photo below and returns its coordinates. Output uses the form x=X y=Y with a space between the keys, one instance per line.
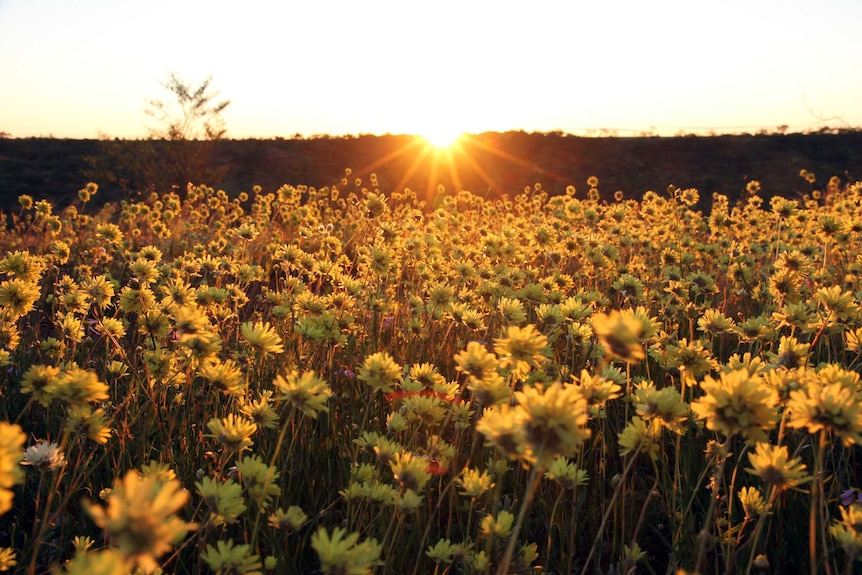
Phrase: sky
x=86 y=68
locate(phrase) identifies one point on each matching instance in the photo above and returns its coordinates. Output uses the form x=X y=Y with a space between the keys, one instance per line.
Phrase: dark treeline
x=488 y=164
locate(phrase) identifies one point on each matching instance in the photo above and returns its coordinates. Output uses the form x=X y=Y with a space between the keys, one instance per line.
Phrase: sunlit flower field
x=346 y=381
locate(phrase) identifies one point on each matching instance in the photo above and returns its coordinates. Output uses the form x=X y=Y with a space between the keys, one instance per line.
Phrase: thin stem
x=532 y=484
x=611 y=506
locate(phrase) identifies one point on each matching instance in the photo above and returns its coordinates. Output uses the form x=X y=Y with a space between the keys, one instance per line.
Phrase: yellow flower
x=262 y=337
x=848 y=530
x=854 y=341
x=12 y=439
x=566 y=473
x=522 y=349
x=738 y=402
x=554 y=422
x=18 y=296
x=290 y=520
x=140 y=517
x=260 y=410
x=226 y=558
x=713 y=322
x=826 y=403
x=37 y=380
x=99 y=289
x=83 y=421
x=500 y=526
x=103 y=562
x=752 y=502
x=596 y=389
x=663 y=405
x=258 y=479
x=619 y=333
x=375 y=205
x=770 y=463
x=223 y=498
x=8 y=558
x=490 y=390
x=410 y=471
x=691 y=359
x=474 y=483
x=307 y=392
x=110 y=233
x=380 y=372
x=233 y=432
x=443 y=551
x=23 y=265
x=502 y=429
x=137 y=300
x=640 y=436
x=78 y=387
x=226 y=376
x=791 y=353
x=340 y=555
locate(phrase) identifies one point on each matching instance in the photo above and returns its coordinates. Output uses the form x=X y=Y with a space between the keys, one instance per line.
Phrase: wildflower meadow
x=346 y=380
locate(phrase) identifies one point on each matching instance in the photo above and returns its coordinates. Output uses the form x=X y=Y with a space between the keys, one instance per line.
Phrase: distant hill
x=488 y=164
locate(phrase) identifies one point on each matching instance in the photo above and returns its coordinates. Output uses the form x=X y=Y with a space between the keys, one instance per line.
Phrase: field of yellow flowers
x=344 y=381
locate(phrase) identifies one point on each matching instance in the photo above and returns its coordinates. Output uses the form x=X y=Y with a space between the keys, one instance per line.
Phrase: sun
x=442 y=137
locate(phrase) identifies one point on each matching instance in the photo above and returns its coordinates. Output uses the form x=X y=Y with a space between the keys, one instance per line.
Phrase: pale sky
x=85 y=68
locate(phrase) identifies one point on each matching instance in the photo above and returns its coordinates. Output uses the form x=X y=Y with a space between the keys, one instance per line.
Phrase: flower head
x=522 y=349
x=11 y=441
x=738 y=402
x=233 y=432
x=262 y=337
x=44 y=455
x=771 y=464
x=342 y=554
x=307 y=392
x=828 y=403
x=554 y=422
x=140 y=517
x=620 y=335
x=227 y=557
x=380 y=372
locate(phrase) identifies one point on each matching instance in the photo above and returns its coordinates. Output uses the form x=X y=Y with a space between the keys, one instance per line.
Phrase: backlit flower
x=380 y=372
x=342 y=554
x=737 y=402
x=521 y=349
x=233 y=432
x=771 y=464
x=229 y=558
x=223 y=498
x=554 y=422
x=11 y=441
x=262 y=337
x=259 y=480
x=307 y=392
x=410 y=471
x=619 y=334
x=824 y=405
x=140 y=517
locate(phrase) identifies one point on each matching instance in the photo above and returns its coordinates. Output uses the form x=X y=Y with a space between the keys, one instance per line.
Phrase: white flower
x=44 y=455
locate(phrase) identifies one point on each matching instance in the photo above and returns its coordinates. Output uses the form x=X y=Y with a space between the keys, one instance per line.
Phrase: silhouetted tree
x=176 y=152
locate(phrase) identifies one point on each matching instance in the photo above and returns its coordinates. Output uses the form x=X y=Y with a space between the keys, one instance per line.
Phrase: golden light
x=442 y=137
